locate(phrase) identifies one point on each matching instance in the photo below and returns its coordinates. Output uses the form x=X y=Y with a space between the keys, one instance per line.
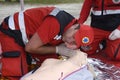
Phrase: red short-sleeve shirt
x=48 y=30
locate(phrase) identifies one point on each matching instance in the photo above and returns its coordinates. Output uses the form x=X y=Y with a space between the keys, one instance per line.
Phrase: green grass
x=45 y=1
x=53 y=1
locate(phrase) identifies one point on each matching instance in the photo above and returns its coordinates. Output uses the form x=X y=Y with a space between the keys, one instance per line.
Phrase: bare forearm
x=43 y=50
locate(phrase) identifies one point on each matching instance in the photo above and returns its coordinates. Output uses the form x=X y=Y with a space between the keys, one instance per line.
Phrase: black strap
x=16 y=34
x=64 y=19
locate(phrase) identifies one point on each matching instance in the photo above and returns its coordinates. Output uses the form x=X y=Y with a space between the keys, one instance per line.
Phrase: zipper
x=116 y=52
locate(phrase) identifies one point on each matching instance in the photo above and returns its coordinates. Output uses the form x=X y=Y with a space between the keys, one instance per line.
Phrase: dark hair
x=76 y=22
x=78 y=27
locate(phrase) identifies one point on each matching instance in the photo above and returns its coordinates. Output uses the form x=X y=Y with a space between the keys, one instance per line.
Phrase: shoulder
x=51 y=21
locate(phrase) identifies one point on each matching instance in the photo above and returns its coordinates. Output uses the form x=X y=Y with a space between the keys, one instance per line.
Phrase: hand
x=64 y=51
x=114 y=34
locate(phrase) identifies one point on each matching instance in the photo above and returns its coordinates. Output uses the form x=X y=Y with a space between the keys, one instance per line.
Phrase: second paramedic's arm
x=85 y=11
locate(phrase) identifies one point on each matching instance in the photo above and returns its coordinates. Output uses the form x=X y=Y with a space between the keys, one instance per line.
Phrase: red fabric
x=33 y=18
x=85 y=11
x=48 y=30
x=11 y=66
x=101 y=55
x=108 y=4
x=8 y=44
x=84 y=36
x=95 y=5
x=118 y=28
x=99 y=35
x=111 y=46
x=36 y=19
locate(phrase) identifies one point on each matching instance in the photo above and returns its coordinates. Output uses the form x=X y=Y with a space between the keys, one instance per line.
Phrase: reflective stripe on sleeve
x=55 y=11
x=106 y=12
x=22 y=27
x=11 y=22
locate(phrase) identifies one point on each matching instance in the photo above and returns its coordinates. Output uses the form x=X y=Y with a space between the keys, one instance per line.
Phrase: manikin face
x=68 y=37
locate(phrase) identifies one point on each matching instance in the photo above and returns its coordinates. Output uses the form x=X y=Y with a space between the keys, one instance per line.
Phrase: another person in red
x=105 y=20
x=40 y=31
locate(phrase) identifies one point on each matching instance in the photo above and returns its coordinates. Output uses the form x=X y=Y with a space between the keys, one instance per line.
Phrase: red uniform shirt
x=33 y=18
x=98 y=5
x=37 y=20
x=48 y=30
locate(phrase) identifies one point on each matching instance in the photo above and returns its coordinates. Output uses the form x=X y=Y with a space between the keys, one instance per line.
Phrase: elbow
x=29 y=49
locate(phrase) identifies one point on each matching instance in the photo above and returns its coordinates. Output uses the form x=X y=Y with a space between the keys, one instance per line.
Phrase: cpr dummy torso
x=55 y=69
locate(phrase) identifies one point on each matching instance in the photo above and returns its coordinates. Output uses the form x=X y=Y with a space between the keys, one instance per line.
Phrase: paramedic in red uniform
x=39 y=30
x=105 y=19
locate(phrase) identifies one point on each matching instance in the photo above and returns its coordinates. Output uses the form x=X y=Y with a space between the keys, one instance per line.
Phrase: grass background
x=53 y=1
x=44 y=1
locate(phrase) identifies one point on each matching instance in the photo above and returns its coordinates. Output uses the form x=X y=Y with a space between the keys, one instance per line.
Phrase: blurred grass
x=44 y=1
x=53 y=1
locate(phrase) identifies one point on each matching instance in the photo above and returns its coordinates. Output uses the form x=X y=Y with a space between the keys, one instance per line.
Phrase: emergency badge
x=58 y=37
x=116 y=1
x=85 y=40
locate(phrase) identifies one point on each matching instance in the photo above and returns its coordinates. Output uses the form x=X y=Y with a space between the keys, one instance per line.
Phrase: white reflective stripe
x=11 y=22
x=55 y=11
x=58 y=37
x=106 y=12
x=22 y=27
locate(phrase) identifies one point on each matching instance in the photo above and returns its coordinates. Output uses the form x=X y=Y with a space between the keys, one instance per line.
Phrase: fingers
x=114 y=35
x=111 y=36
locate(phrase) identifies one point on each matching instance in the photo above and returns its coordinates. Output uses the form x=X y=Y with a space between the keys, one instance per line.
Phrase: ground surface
x=6 y=9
